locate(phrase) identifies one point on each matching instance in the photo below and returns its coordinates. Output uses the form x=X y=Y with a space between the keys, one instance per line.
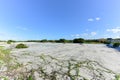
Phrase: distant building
x=109 y=39
x=113 y=40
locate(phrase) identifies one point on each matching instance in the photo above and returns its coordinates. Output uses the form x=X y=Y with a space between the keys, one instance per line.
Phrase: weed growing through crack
x=51 y=68
x=117 y=77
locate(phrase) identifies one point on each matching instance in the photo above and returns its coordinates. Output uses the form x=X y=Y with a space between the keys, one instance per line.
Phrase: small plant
x=117 y=77
x=30 y=78
x=21 y=46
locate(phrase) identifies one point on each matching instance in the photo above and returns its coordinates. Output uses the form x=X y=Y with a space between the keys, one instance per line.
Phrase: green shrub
x=21 y=46
x=10 y=41
x=117 y=77
x=116 y=45
x=107 y=42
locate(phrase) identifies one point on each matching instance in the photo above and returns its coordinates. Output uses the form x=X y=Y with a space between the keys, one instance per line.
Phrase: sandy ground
x=105 y=58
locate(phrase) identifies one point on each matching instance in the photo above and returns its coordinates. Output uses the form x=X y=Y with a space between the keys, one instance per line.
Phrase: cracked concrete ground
x=86 y=61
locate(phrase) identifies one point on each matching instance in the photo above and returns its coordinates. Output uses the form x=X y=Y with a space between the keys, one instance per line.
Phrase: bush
x=62 y=40
x=107 y=42
x=78 y=40
x=10 y=41
x=116 y=45
x=21 y=46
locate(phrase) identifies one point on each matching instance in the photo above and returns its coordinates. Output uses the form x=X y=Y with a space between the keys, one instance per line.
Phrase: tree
x=44 y=40
x=62 y=40
x=78 y=40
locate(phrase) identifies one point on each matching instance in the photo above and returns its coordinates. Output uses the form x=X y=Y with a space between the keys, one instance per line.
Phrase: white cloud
x=76 y=35
x=114 y=30
x=97 y=18
x=90 y=19
x=93 y=33
x=106 y=35
x=85 y=35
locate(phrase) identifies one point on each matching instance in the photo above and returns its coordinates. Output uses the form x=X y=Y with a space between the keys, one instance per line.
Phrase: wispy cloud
x=90 y=19
x=94 y=19
x=21 y=28
x=97 y=18
x=85 y=35
x=114 y=30
x=93 y=33
x=76 y=35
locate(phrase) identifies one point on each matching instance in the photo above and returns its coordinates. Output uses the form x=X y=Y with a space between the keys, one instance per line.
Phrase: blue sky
x=54 y=19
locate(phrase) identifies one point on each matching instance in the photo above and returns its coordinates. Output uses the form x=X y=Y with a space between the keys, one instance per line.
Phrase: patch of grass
x=15 y=66
x=30 y=78
x=4 y=55
x=30 y=62
x=1 y=46
x=25 y=76
x=117 y=77
x=3 y=78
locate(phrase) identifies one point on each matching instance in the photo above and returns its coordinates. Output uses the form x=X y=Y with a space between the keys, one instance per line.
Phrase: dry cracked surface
x=57 y=61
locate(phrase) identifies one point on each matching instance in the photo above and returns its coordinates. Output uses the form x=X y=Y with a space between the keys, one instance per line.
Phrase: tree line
x=76 y=40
